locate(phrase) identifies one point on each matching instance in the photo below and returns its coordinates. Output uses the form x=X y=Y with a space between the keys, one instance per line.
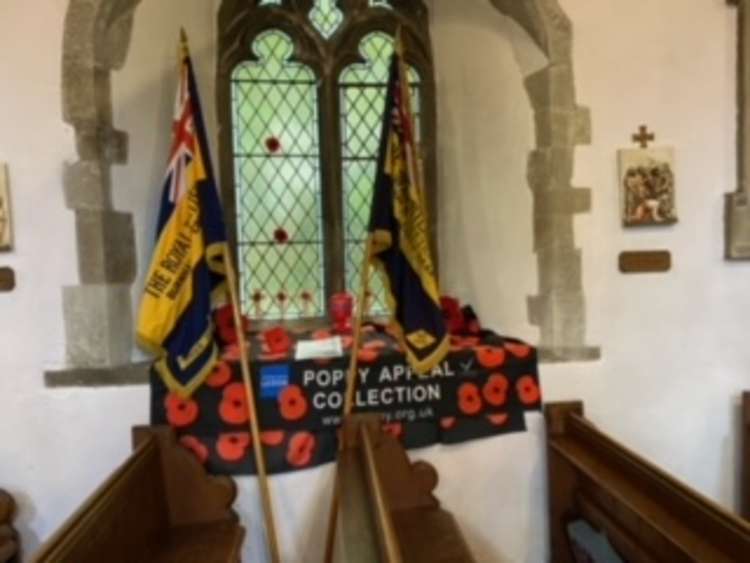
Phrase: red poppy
x=301 y=449
x=277 y=340
x=447 y=422
x=232 y=446
x=231 y=353
x=498 y=419
x=220 y=376
x=180 y=412
x=518 y=349
x=490 y=357
x=197 y=447
x=495 y=391
x=292 y=403
x=321 y=334
x=233 y=407
x=528 y=390
x=273 y=144
x=469 y=399
x=272 y=437
x=367 y=354
x=281 y=236
x=395 y=429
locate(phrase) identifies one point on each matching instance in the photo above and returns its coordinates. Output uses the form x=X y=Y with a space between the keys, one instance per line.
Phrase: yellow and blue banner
x=186 y=280
x=399 y=230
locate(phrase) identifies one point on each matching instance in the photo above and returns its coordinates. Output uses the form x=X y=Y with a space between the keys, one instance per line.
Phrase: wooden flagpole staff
x=260 y=460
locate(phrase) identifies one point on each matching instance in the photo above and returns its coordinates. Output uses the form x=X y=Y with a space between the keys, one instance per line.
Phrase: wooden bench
x=160 y=506
x=645 y=514
x=9 y=547
x=386 y=510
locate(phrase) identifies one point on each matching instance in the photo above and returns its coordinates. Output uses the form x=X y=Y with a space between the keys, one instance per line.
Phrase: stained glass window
x=326 y=17
x=277 y=183
x=362 y=92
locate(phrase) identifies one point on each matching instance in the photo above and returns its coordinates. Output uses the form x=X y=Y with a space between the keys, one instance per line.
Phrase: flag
x=399 y=231
x=185 y=281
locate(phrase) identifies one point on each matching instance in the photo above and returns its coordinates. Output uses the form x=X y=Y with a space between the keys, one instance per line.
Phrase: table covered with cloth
x=481 y=389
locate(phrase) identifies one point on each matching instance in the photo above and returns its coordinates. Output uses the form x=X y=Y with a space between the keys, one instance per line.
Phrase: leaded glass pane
x=277 y=178
x=271 y=2
x=380 y=3
x=362 y=91
x=326 y=17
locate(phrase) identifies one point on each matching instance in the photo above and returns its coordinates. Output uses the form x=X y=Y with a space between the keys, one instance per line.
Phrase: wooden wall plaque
x=645 y=261
x=7 y=280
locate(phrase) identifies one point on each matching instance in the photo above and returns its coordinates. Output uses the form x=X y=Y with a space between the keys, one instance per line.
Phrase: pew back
x=160 y=505
x=646 y=514
x=387 y=512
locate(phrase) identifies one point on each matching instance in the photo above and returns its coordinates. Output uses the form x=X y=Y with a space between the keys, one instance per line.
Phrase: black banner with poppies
x=481 y=389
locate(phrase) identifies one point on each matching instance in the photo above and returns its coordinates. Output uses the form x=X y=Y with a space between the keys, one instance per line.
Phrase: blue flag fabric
x=399 y=228
x=186 y=278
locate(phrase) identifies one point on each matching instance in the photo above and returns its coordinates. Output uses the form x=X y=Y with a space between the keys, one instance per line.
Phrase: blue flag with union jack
x=186 y=278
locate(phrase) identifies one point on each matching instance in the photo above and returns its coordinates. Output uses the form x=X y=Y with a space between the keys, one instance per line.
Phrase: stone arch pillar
x=559 y=309
x=98 y=312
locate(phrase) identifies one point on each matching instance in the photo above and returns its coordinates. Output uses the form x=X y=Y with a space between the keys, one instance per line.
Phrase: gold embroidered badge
x=420 y=339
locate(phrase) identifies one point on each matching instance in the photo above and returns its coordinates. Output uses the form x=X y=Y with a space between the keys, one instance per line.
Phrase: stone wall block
x=553 y=230
x=568 y=201
x=552 y=87
x=558 y=29
x=98 y=325
x=550 y=169
x=555 y=127
x=114 y=33
x=87 y=185
x=106 y=247
x=582 y=132
x=562 y=270
x=102 y=143
x=561 y=317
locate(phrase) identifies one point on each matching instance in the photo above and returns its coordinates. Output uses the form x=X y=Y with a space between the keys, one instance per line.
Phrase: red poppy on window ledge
x=281 y=236
x=273 y=144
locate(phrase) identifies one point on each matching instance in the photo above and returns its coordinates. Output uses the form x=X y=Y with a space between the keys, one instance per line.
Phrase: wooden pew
x=159 y=506
x=745 y=459
x=646 y=515
x=386 y=510
x=9 y=547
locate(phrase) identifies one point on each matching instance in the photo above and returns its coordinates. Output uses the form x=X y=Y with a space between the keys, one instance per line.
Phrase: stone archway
x=97 y=313
x=559 y=310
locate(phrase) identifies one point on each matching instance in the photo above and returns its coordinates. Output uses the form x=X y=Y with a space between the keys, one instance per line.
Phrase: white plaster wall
x=674 y=350
x=53 y=448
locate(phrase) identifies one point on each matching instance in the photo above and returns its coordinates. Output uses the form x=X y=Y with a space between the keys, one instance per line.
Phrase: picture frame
x=6 y=224
x=647 y=187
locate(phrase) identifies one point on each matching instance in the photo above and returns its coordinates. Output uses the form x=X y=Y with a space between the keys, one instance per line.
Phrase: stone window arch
x=96 y=39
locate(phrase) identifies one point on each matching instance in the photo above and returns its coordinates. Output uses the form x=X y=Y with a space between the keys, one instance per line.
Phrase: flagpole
x=351 y=388
x=260 y=460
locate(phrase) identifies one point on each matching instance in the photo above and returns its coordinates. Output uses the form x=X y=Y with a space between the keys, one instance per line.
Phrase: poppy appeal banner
x=482 y=388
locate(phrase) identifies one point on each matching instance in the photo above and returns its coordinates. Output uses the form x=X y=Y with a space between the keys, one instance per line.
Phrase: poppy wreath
x=233 y=446
x=301 y=449
x=469 y=399
x=180 y=412
x=292 y=403
x=233 y=406
x=194 y=445
x=528 y=390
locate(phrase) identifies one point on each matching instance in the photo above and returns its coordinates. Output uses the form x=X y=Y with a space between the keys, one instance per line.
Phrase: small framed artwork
x=6 y=231
x=647 y=184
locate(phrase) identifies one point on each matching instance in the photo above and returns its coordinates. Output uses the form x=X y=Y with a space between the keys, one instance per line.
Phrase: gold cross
x=643 y=137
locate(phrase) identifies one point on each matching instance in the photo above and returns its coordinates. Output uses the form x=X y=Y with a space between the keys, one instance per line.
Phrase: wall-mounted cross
x=643 y=137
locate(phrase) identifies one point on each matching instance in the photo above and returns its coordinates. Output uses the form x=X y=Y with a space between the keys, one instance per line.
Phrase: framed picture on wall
x=647 y=185
x=6 y=238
